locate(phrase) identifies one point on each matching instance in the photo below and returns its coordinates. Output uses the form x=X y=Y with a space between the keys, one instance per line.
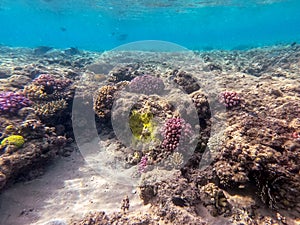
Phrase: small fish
x=122 y=37
x=72 y=51
x=63 y=29
x=41 y=50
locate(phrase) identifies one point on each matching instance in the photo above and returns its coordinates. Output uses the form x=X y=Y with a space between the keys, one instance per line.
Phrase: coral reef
x=202 y=106
x=252 y=175
x=50 y=96
x=11 y=102
x=214 y=199
x=41 y=144
x=174 y=161
x=46 y=109
x=115 y=218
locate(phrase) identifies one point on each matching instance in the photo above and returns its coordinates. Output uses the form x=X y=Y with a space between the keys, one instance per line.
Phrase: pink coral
x=51 y=83
x=296 y=135
x=146 y=85
x=175 y=132
x=11 y=102
x=142 y=166
x=229 y=98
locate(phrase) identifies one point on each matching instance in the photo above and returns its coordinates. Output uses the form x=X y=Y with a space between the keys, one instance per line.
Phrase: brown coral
x=103 y=101
x=186 y=81
x=214 y=199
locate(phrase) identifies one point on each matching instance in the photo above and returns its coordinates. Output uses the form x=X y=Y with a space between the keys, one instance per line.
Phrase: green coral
x=16 y=140
x=142 y=126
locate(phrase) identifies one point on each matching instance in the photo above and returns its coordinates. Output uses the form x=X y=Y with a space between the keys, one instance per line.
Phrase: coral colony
x=50 y=83
x=229 y=99
x=175 y=132
x=142 y=166
x=15 y=140
x=11 y=102
x=146 y=85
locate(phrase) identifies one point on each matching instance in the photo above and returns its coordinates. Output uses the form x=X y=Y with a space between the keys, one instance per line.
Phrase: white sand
x=69 y=188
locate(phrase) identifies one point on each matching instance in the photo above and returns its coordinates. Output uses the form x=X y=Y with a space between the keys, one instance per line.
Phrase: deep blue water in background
x=102 y=25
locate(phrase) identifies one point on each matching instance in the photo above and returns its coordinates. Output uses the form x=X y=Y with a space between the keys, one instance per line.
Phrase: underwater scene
x=149 y=112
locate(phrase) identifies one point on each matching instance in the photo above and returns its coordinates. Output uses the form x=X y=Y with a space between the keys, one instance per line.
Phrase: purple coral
x=11 y=102
x=175 y=132
x=230 y=98
x=146 y=85
x=143 y=164
x=50 y=83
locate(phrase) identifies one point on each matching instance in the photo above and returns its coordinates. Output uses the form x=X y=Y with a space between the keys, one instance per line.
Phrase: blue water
x=103 y=25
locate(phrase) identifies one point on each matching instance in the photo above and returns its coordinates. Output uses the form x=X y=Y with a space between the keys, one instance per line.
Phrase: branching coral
x=50 y=108
x=142 y=166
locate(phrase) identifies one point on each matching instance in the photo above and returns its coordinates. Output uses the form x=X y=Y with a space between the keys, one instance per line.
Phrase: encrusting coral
x=15 y=140
x=142 y=126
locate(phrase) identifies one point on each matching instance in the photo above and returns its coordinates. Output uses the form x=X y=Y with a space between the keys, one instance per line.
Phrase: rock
x=18 y=81
x=100 y=68
x=4 y=73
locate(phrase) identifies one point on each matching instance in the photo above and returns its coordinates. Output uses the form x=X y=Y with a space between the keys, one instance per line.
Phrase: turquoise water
x=103 y=25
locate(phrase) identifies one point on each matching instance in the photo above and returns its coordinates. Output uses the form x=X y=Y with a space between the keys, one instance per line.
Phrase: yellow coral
x=10 y=129
x=16 y=140
x=142 y=126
